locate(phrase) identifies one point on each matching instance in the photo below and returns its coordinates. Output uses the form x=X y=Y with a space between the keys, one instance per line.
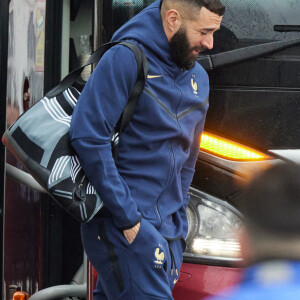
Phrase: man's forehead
x=207 y=20
x=214 y=28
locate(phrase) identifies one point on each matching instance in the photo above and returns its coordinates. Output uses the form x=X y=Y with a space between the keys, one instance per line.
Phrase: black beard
x=181 y=51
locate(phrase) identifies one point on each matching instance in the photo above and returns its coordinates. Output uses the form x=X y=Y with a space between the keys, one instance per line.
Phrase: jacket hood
x=146 y=28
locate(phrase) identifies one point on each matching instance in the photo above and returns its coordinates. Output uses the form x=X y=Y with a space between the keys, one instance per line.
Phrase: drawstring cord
x=173 y=262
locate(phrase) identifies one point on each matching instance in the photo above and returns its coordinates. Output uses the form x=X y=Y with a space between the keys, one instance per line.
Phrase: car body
x=255 y=103
x=254 y=107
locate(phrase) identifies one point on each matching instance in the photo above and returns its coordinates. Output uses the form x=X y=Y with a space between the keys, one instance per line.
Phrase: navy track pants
x=147 y=269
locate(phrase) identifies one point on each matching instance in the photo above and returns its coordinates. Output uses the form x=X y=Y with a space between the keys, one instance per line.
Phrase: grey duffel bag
x=39 y=139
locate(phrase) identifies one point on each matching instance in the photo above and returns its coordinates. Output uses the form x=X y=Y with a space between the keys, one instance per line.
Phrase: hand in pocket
x=130 y=234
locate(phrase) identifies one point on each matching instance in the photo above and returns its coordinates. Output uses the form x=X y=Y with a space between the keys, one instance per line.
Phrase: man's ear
x=173 y=21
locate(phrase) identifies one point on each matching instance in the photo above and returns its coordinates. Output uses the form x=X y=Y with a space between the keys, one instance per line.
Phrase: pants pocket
x=148 y=258
x=112 y=257
x=104 y=255
x=176 y=248
x=129 y=271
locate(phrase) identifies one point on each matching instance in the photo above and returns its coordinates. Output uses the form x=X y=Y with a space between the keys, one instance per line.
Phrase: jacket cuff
x=131 y=225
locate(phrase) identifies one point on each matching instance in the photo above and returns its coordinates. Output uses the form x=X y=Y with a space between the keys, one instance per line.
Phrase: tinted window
x=245 y=22
x=118 y=12
x=257 y=102
x=250 y=22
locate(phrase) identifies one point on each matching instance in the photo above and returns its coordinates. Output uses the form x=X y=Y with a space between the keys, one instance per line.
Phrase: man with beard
x=136 y=240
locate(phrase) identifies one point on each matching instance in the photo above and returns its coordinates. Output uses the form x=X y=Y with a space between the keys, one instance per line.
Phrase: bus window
x=250 y=22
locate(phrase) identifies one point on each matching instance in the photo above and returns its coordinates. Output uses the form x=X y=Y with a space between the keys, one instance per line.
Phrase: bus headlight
x=213 y=226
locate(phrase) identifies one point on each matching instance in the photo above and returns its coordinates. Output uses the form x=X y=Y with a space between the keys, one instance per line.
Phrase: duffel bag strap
x=142 y=72
x=73 y=75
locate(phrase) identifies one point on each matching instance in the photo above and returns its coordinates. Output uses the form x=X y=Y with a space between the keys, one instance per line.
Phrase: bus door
x=24 y=86
x=3 y=77
x=41 y=243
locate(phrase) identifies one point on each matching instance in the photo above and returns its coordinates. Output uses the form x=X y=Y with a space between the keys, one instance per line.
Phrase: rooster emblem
x=160 y=256
x=194 y=86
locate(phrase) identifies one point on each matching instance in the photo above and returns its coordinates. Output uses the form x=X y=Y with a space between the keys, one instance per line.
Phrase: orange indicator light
x=230 y=150
x=20 y=296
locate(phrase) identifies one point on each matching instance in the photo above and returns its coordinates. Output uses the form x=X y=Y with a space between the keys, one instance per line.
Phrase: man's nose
x=208 y=42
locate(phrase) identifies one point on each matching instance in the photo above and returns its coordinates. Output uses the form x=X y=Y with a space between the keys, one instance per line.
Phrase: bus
x=254 y=111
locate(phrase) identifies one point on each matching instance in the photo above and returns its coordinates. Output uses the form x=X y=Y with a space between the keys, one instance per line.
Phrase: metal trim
x=4 y=17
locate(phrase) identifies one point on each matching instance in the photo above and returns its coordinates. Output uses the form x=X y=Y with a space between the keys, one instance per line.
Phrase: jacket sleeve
x=98 y=109
x=188 y=169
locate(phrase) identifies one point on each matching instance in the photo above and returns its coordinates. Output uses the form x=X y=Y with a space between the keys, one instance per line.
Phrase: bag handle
x=73 y=75
x=94 y=58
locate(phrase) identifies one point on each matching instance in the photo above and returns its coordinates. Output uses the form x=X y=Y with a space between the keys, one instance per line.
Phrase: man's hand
x=130 y=234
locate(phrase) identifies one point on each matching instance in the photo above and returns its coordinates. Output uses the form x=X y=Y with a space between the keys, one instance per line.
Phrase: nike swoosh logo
x=175 y=281
x=154 y=76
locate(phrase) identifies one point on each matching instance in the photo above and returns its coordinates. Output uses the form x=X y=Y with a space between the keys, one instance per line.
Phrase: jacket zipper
x=172 y=156
x=158 y=213
x=170 y=176
x=176 y=113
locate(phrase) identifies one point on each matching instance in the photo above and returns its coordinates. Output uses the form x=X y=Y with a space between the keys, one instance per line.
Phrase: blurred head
x=189 y=26
x=271 y=206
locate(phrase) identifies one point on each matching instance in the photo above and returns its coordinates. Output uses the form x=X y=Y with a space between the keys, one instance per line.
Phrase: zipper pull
x=80 y=192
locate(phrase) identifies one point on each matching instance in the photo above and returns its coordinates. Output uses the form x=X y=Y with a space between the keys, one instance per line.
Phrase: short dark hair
x=214 y=6
x=271 y=202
